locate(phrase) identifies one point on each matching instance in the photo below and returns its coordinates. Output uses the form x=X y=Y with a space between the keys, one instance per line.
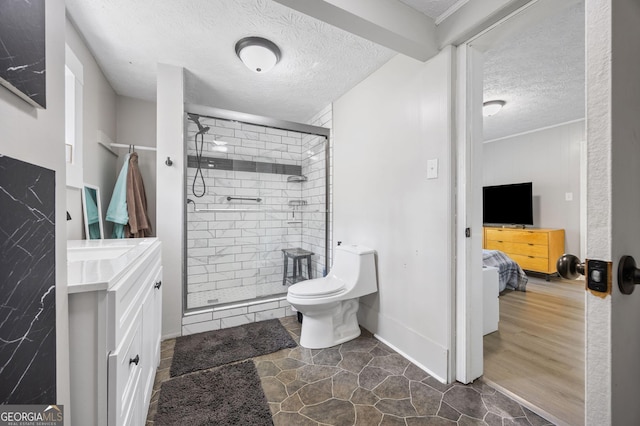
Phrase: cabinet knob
x=135 y=360
x=157 y=284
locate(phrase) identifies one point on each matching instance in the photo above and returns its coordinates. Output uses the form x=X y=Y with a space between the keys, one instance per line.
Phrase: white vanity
x=115 y=317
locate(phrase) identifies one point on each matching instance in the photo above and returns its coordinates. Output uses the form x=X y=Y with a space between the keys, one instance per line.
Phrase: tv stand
x=534 y=249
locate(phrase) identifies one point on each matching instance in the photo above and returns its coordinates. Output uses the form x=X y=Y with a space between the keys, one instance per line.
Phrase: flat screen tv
x=508 y=204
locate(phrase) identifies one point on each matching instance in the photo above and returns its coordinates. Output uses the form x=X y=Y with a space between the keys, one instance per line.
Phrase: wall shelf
x=297 y=178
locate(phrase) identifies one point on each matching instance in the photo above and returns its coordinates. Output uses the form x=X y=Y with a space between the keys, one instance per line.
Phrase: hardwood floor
x=538 y=351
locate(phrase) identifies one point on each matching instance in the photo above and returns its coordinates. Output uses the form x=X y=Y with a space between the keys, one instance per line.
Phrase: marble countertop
x=94 y=265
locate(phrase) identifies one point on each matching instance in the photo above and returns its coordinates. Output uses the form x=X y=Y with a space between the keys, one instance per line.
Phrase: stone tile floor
x=364 y=382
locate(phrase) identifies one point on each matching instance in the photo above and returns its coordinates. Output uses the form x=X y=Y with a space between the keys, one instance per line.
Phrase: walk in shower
x=254 y=187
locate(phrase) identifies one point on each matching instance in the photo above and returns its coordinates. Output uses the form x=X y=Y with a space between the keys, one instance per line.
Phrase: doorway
x=518 y=136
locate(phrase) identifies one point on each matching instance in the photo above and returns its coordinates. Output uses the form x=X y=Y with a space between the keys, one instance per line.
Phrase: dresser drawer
x=516 y=236
x=518 y=248
x=540 y=264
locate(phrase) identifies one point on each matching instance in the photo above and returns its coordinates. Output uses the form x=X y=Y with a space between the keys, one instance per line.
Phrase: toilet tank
x=355 y=266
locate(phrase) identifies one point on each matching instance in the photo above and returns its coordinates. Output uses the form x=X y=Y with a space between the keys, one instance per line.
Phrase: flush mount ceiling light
x=490 y=108
x=257 y=53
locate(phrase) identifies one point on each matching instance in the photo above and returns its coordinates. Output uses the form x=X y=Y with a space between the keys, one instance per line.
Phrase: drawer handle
x=157 y=284
x=135 y=360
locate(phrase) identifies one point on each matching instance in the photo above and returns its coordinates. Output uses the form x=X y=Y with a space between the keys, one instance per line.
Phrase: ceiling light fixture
x=490 y=108
x=257 y=53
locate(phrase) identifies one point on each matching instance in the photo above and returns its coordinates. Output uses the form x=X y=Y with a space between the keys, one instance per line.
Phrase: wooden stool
x=297 y=254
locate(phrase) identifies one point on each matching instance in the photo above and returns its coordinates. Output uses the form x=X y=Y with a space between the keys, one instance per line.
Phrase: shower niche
x=252 y=191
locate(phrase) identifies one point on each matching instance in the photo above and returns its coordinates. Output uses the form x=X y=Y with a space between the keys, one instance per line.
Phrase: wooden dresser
x=533 y=249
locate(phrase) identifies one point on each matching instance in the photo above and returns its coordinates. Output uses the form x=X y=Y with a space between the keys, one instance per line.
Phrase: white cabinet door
x=125 y=369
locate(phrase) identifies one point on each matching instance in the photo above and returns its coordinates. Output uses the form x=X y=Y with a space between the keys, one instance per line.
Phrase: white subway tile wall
x=235 y=256
x=217 y=318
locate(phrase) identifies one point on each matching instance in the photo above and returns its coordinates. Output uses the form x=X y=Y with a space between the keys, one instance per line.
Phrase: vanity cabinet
x=115 y=329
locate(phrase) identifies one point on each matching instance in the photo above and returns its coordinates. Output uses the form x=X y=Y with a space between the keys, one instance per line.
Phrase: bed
x=510 y=275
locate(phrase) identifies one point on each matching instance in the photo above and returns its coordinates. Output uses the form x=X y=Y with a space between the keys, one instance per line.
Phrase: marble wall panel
x=27 y=283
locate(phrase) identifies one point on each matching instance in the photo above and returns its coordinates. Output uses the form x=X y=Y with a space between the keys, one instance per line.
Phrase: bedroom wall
x=550 y=158
x=385 y=129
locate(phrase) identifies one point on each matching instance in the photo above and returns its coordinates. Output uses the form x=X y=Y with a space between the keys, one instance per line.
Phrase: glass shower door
x=252 y=192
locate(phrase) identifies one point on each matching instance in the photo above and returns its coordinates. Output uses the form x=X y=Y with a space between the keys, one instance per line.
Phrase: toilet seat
x=316 y=288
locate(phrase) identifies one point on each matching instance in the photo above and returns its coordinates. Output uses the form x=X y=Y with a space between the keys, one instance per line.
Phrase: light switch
x=568 y=196
x=432 y=168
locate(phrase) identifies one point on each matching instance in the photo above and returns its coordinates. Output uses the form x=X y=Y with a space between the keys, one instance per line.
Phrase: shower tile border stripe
x=244 y=166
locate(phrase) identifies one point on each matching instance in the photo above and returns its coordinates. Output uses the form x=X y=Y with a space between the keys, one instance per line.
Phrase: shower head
x=196 y=119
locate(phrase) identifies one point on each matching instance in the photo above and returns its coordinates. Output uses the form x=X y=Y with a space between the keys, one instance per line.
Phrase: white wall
x=37 y=136
x=99 y=114
x=170 y=194
x=136 y=125
x=385 y=130
x=550 y=158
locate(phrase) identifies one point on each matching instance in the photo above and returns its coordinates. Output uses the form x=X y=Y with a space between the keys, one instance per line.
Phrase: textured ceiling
x=538 y=69
x=319 y=62
x=540 y=72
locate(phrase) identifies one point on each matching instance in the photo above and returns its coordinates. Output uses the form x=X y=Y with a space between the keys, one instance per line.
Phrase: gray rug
x=207 y=350
x=229 y=395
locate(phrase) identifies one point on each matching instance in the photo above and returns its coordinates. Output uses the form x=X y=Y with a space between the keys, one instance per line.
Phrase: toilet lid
x=316 y=288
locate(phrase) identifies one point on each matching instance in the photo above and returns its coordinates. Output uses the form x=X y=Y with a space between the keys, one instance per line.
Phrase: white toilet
x=329 y=305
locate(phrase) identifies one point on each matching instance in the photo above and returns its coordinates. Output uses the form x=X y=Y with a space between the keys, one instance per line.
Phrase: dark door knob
x=570 y=267
x=628 y=274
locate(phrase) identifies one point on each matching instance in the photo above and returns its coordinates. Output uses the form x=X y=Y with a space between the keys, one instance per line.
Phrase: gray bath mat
x=213 y=348
x=229 y=395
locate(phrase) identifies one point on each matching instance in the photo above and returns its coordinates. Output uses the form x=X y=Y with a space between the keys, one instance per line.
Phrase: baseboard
x=410 y=358
x=420 y=350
